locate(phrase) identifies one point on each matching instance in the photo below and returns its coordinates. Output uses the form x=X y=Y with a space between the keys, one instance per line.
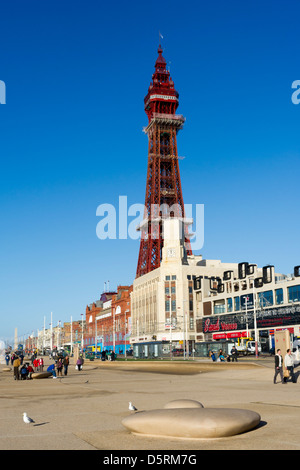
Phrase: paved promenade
x=84 y=410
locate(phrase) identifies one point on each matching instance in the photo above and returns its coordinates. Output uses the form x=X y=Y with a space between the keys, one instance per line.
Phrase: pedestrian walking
x=36 y=364
x=41 y=364
x=21 y=357
x=79 y=363
x=59 y=366
x=289 y=365
x=66 y=365
x=7 y=359
x=278 y=367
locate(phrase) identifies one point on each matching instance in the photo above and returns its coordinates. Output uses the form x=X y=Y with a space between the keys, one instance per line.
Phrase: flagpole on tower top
x=160 y=36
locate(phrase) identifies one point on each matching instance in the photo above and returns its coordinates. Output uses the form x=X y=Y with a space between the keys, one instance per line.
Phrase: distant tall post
x=16 y=339
x=44 y=332
x=51 y=335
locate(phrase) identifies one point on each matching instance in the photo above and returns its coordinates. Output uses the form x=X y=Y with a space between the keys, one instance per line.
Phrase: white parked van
x=251 y=347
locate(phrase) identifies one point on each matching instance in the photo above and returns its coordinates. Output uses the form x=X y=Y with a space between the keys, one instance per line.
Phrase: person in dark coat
x=278 y=366
x=234 y=354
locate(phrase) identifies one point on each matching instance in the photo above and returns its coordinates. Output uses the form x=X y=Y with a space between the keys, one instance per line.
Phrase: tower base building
x=166 y=308
x=190 y=305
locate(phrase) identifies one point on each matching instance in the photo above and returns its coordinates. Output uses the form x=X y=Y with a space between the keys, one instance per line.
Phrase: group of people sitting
x=220 y=357
x=105 y=355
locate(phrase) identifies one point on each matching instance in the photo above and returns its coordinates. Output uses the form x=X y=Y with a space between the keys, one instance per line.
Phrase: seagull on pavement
x=26 y=419
x=132 y=407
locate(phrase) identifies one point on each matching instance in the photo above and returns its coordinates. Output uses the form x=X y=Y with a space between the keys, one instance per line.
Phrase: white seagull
x=26 y=419
x=132 y=407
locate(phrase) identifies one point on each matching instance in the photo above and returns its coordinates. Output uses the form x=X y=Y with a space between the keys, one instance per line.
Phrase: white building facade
x=190 y=300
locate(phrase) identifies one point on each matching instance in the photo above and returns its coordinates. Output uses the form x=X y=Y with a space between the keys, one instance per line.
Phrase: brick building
x=110 y=319
x=100 y=310
x=122 y=319
x=75 y=336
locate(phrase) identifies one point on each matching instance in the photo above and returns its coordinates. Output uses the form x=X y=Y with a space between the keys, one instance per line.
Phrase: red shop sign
x=235 y=334
x=219 y=336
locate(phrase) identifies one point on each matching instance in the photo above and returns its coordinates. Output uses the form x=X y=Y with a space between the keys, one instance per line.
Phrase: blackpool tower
x=163 y=187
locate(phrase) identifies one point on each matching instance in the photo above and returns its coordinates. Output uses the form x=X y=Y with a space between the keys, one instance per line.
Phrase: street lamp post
x=125 y=351
x=255 y=323
x=184 y=329
x=71 y=349
x=186 y=343
x=96 y=339
x=51 y=335
x=114 y=328
x=58 y=336
x=171 y=327
x=254 y=316
x=82 y=333
x=44 y=344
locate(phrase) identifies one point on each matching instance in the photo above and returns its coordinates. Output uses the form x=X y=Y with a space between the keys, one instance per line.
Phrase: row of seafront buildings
x=107 y=322
x=185 y=303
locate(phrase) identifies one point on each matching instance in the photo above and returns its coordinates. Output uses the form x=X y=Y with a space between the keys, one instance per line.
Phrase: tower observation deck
x=163 y=187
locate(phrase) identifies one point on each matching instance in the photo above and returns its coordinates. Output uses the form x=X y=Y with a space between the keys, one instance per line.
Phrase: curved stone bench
x=192 y=423
x=6 y=369
x=41 y=375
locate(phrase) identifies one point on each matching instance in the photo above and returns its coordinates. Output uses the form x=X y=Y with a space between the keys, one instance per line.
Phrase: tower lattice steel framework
x=163 y=188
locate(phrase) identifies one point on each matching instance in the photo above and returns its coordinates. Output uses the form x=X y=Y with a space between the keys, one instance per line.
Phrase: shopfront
x=225 y=327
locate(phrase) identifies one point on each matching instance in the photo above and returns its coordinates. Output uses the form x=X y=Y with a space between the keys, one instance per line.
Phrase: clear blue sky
x=71 y=139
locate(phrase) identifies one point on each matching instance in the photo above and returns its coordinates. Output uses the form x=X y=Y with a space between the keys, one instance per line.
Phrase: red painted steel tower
x=163 y=188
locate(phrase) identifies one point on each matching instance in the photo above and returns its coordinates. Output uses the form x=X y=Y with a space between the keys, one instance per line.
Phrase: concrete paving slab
x=84 y=410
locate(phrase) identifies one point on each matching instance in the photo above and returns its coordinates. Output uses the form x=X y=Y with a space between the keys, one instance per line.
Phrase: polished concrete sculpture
x=191 y=421
x=41 y=375
x=183 y=403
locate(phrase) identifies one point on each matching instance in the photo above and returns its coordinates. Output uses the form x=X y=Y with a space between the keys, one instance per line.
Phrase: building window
x=229 y=305
x=294 y=294
x=167 y=305
x=266 y=298
x=173 y=305
x=167 y=290
x=237 y=306
x=173 y=290
x=279 y=296
x=191 y=305
x=173 y=278
x=167 y=278
x=219 y=308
